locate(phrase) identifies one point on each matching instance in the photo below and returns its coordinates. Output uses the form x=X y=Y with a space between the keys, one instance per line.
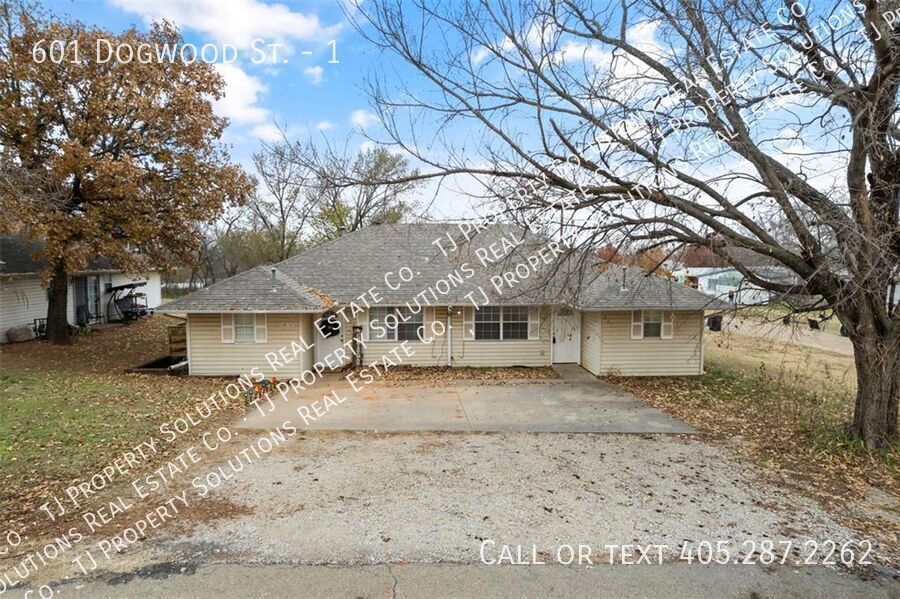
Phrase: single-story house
x=450 y=297
x=23 y=296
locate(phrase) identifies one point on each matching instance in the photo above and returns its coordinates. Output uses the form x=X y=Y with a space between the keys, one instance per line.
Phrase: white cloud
x=324 y=125
x=366 y=146
x=236 y=22
x=479 y=54
x=242 y=93
x=362 y=118
x=314 y=74
x=267 y=132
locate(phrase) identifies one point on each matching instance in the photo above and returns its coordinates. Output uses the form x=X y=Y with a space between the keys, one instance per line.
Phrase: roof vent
x=624 y=285
x=274 y=286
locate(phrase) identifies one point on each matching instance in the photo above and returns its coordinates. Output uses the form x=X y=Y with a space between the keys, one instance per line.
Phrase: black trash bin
x=715 y=322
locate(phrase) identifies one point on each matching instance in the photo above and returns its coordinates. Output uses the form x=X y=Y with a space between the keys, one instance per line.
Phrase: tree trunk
x=878 y=390
x=57 y=312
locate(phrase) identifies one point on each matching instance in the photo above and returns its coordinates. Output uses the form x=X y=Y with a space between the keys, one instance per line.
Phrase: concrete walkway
x=224 y=581
x=573 y=404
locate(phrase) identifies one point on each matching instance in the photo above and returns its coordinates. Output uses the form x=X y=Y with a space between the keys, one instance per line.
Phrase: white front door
x=566 y=336
x=325 y=346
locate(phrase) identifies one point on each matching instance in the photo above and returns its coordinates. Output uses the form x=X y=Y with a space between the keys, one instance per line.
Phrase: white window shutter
x=667 y=329
x=227 y=328
x=427 y=319
x=469 y=323
x=362 y=319
x=260 y=329
x=637 y=324
x=534 y=322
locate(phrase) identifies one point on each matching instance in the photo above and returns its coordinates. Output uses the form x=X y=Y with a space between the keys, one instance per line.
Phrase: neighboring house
x=723 y=282
x=711 y=274
x=23 y=297
x=611 y=321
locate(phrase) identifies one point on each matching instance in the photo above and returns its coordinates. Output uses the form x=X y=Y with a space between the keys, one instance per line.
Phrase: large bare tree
x=281 y=207
x=347 y=189
x=680 y=122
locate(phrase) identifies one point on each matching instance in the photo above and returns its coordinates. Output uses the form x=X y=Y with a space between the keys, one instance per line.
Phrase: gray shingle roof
x=17 y=257
x=249 y=291
x=642 y=292
x=345 y=269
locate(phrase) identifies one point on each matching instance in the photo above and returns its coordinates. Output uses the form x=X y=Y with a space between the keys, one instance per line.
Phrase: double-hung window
x=515 y=322
x=500 y=323
x=243 y=328
x=383 y=324
x=487 y=322
x=396 y=324
x=411 y=326
x=652 y=323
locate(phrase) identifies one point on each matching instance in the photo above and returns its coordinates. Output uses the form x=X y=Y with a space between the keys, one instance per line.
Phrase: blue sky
x=301 y=91
x=305 y=93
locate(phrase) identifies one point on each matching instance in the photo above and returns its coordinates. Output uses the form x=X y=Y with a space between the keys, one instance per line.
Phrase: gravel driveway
x=363 y=498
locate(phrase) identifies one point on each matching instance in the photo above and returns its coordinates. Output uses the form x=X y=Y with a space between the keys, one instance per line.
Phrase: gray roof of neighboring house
x=249 y=291
x=345 y=269
x=17 y=257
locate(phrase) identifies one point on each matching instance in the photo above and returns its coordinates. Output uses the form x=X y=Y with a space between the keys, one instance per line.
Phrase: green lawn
x=63 y=424
x=67 y=411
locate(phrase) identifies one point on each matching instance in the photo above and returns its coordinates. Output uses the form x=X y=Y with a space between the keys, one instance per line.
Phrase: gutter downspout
x=449 y=335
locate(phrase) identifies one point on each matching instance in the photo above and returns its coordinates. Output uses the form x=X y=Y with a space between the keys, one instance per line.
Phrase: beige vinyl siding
x=501 y=353
x=424 y=354
x=590 y=341
x=621 y=354
x=209 y=356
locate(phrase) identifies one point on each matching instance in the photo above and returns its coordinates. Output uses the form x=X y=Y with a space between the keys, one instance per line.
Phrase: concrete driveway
x=575 y=403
